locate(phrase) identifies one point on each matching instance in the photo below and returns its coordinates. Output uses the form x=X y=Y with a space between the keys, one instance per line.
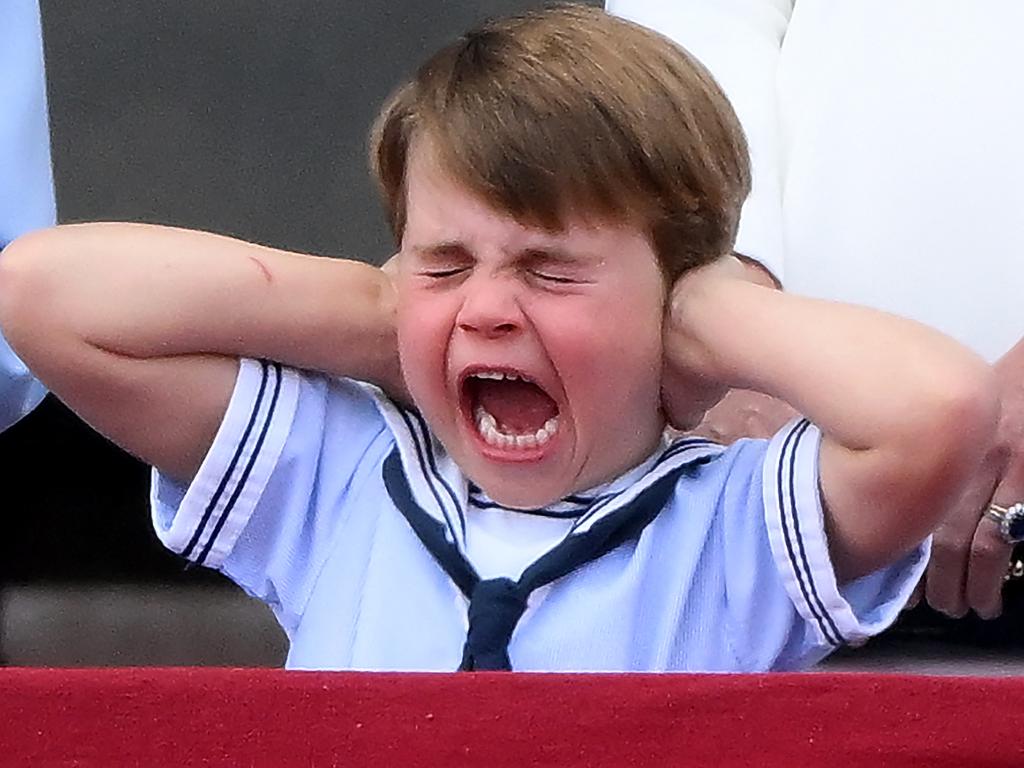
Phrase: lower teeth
x=487 y=426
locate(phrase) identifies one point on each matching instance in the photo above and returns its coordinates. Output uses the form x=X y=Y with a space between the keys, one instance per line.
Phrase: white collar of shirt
x=442 y=491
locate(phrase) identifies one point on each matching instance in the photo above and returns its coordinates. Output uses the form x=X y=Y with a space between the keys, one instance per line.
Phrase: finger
x=915 y=597
x=946 y=577
x=945 y=586
x=682 y=415
x=990 y=557
x=763 y=415
x=686 y=400
x=990 y=552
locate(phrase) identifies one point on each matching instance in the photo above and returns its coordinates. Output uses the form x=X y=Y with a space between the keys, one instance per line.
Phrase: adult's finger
x=744 y=413
x=946 y=577
x=990 y=557
x=915 y=596
x=990 y=553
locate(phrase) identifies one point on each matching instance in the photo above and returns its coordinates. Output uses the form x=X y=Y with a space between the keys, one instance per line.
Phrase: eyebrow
x=548 y=254
x=536 y=253
x=444 y=248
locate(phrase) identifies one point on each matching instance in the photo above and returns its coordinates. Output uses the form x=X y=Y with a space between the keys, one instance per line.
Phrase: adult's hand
x=969 y=556
x=744 y=413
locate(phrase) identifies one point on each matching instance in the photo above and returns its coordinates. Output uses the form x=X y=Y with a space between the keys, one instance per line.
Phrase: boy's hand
x=395 y=385
x=390 y=267
x=686 y=395
x=689 y=387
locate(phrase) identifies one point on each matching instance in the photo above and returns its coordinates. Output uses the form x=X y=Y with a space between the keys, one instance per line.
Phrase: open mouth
x=509 y=410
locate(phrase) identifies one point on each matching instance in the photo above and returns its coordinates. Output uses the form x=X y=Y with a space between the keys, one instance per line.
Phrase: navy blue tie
x=496 y=605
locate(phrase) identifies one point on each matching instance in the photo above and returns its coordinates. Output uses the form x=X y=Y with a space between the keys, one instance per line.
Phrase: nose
x=490 y=306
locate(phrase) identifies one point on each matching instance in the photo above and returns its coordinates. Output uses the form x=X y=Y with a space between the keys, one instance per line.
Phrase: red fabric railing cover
x=255 y=718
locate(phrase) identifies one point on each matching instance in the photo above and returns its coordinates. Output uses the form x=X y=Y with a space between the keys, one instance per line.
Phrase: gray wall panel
x=247 y=117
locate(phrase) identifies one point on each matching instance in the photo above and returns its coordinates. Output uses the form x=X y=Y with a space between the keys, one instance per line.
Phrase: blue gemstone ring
x=1010 y=520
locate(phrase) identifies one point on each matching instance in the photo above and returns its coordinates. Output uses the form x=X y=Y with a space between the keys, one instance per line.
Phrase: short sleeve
x=786 y=606
x=20 y=391
x=795 y=520
x=269 y=497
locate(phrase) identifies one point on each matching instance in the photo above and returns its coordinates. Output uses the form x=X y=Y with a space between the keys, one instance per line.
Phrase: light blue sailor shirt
x=26 y=180
x=732 y=574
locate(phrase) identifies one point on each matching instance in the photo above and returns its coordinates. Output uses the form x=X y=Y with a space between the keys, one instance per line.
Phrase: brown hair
x=571 y=111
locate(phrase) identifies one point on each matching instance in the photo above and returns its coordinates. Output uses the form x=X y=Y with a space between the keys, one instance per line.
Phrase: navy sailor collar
x=576 y=504
x=441 y=490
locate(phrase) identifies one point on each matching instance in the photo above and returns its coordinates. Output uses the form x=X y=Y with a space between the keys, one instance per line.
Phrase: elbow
x=958 y=425
x=973 y=409
x=939 y=444
x=23 y=291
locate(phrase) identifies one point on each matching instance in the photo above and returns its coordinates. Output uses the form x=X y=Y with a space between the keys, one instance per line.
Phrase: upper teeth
x=488 y=428
x=497 y=375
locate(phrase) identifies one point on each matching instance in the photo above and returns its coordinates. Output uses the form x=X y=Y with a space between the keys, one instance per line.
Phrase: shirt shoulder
x=275 y=487
x=750 y=525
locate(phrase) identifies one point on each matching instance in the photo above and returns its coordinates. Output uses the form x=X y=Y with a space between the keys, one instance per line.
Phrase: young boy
x=563 y=187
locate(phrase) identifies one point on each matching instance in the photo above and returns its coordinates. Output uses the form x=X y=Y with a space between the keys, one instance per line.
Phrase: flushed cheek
x=615 y=378
x=610 y=376
x=423 y=338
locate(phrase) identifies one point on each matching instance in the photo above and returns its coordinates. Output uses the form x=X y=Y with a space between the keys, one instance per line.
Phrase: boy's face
x=535 y=356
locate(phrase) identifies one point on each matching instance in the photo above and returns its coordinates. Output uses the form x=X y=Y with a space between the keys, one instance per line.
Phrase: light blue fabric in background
x=26 y=178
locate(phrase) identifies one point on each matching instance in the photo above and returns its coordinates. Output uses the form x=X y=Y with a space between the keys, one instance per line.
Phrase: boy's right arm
x=138 y=328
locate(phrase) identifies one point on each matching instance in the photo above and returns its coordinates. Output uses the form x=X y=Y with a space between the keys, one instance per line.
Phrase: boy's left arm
x=906 y=413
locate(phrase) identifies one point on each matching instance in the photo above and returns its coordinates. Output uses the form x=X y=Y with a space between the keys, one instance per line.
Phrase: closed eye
x=439 y=274
x=553 y=268
x=549 y=278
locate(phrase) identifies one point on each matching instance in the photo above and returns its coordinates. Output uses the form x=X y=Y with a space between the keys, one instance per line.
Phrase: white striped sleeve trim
x=232 y=477
x=796 y=533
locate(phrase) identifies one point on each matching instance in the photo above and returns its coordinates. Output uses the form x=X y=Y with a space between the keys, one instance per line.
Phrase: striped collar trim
x=441 y=490
x=580 y=503
x=436 y=482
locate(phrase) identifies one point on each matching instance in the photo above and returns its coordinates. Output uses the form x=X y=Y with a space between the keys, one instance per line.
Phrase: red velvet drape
x=255 y=718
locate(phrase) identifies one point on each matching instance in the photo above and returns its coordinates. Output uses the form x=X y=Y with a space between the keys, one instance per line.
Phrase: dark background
x=245 y=117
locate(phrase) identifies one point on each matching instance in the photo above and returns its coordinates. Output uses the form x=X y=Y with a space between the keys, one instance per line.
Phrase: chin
x=515 y=484
x=520 y=495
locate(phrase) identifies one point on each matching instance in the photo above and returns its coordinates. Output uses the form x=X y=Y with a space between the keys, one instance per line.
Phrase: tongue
x=518 y=406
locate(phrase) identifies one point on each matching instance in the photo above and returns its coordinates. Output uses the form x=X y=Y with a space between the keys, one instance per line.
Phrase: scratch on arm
x=262 y=268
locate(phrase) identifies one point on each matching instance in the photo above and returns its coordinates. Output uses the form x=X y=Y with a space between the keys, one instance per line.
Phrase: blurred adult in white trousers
x=886 y=140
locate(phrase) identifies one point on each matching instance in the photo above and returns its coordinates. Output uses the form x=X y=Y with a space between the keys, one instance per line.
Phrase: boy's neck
x=632 y=468
x=631 y=472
